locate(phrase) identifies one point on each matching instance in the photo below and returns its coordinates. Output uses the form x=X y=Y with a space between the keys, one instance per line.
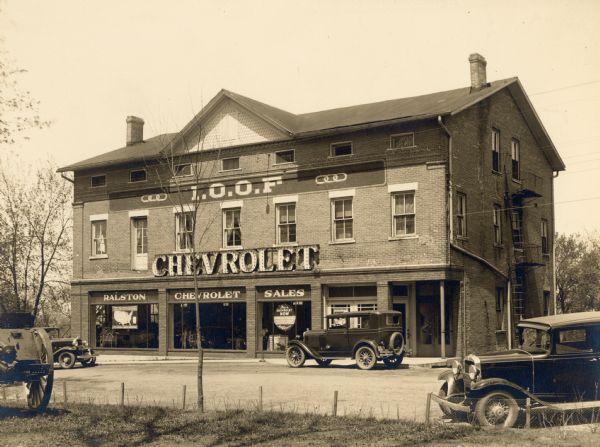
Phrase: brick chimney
x=135 y=130
x=478 y=75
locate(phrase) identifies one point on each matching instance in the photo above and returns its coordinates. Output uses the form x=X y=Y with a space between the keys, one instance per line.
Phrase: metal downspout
x=553 y=246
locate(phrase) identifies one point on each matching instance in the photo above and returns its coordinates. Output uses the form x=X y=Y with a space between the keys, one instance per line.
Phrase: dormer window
x=341 y=149
x=138 y=175
x=402 y=140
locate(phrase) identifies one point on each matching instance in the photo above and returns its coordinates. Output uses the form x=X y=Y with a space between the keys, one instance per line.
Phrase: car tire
x=295 y=356
x=66 y=360
x=323 y=363
x=497 y=409
x=397 y=343
x=394 y=361
x=88 y=362
x=365 y=357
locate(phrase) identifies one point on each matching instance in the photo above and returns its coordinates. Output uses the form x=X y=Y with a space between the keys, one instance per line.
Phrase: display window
x=283 y=321
x=126 y=326
x=222 y=325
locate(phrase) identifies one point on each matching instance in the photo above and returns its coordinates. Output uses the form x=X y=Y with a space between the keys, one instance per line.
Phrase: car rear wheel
x=40 y=390
x=497 y=409
x=394 y=361
x=295 y=356
x=365 y=357
x=66 y=360
x=326 y=362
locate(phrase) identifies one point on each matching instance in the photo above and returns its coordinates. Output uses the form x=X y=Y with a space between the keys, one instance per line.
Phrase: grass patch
x=100 y=425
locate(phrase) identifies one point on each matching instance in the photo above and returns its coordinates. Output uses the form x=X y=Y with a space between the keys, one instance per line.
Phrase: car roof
x=562 y=320
x=363 y=313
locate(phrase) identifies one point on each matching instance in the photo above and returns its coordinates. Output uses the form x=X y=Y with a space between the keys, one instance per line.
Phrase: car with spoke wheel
x=68 y=351
x=556 y=367
x=365 y=336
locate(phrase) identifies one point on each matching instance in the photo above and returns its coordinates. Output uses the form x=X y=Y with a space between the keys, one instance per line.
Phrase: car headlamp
x=473 y=372
x=456 y=367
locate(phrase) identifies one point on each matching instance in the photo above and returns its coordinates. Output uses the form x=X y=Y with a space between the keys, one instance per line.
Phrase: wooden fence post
x=183 y=398
x=65 y=392
x=122 y=394
x=3 y=393
x=428 y=409
x=397 y=411
x=260 y=398
x=335 y=400
x=528 y=412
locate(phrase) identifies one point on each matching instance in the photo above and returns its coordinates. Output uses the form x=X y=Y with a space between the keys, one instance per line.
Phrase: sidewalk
x=108 y=359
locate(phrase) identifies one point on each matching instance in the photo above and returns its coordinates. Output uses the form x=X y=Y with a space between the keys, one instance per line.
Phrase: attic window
x=402 y=140
x=183 y=170
x=230 y=164
x=98 y=181
x=137 y=176
x=284 y=157
x=341 y=149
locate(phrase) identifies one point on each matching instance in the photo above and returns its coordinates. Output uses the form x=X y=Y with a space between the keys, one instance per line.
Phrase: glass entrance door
x=139 y=243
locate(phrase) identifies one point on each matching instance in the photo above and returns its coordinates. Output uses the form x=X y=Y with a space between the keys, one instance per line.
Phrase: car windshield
x=534 y=340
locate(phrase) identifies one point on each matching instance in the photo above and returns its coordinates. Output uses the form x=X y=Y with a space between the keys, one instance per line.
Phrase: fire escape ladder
x=518 y=295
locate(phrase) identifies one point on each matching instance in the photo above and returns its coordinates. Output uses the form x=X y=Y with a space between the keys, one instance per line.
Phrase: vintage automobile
x=366 y=336
x=556 y=366
x=25 y=357
x=68 y=351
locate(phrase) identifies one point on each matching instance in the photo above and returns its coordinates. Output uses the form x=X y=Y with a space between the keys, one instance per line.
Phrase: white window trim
x=139 y=213
x=393 y=204
x=232 y=204
x=277 y=234
x=185 y=208
x=340 y=143
x=401 y=187
x=342 y=193
x=239 y=168
x=94 y=217
x=285 y=199
x=138 y=170
x=284 y=162
x=183 y=175
x=99 y=175
x=224 y=227
x=400 y=135
x=332 y=222
x=181 y=250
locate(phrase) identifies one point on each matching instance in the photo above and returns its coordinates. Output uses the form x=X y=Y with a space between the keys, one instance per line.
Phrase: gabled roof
x=449 y=102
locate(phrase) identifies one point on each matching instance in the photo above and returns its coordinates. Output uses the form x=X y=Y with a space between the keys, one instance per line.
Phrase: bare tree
x=181 y=169
x=35 y=228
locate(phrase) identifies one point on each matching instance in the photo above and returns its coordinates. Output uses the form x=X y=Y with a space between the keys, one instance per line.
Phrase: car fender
x=363 y=342
x=446 y=375
x=59 y=351
x=479 y=389
x=311 y=353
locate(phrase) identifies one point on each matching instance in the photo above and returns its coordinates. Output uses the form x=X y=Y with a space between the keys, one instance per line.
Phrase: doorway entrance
x=429 y=327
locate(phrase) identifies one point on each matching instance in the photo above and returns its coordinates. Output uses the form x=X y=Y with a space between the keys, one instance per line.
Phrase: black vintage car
x=556 y=366
x=365 y=336
x=68 y=351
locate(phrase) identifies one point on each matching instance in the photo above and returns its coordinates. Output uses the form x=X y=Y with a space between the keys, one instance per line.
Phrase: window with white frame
x=232 y=231
x=544 y=232
x=287 y=156
x=138 y=175
x=404 y=214
x=183 y=170
x=341 y=149
x=495 y=150
x=461 y=214
x=515 y=153
x=286 y=223
x=402 y=140
x=342 y=219
x=184 y=231
x=497 y=225
x=99 y=240
x=500 y=309
x=230 y=164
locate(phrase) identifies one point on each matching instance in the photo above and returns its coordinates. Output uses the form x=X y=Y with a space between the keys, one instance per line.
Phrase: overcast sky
x=93 y=63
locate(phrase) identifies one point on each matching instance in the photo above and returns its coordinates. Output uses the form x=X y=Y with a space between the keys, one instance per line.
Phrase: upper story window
x=515 y=152
x=232 y=230
x=497 y=225
x=183 y=169
x=286 y=223
x=404 y=214
x=495 y=150
x=461 y=214
x=500 y=309
x=544 y=233
x=230 y=164
x=98 y=181
x=282 y=157
x=99 y=241
x=342 y=223
x=184 y=231
x=341 y=149
x=138 y=175
x=402 y=140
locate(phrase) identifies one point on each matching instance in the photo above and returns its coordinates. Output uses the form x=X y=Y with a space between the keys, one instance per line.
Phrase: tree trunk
x=200 y=353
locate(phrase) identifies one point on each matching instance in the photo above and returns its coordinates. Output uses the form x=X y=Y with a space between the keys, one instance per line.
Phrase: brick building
x=440 y=206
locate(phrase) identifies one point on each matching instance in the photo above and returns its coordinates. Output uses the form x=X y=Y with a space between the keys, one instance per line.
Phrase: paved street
x=380 y=392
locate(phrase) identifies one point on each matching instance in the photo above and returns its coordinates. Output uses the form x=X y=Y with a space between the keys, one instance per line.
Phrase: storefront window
x=222 y=325
x=127 y=326
x=283 y=321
